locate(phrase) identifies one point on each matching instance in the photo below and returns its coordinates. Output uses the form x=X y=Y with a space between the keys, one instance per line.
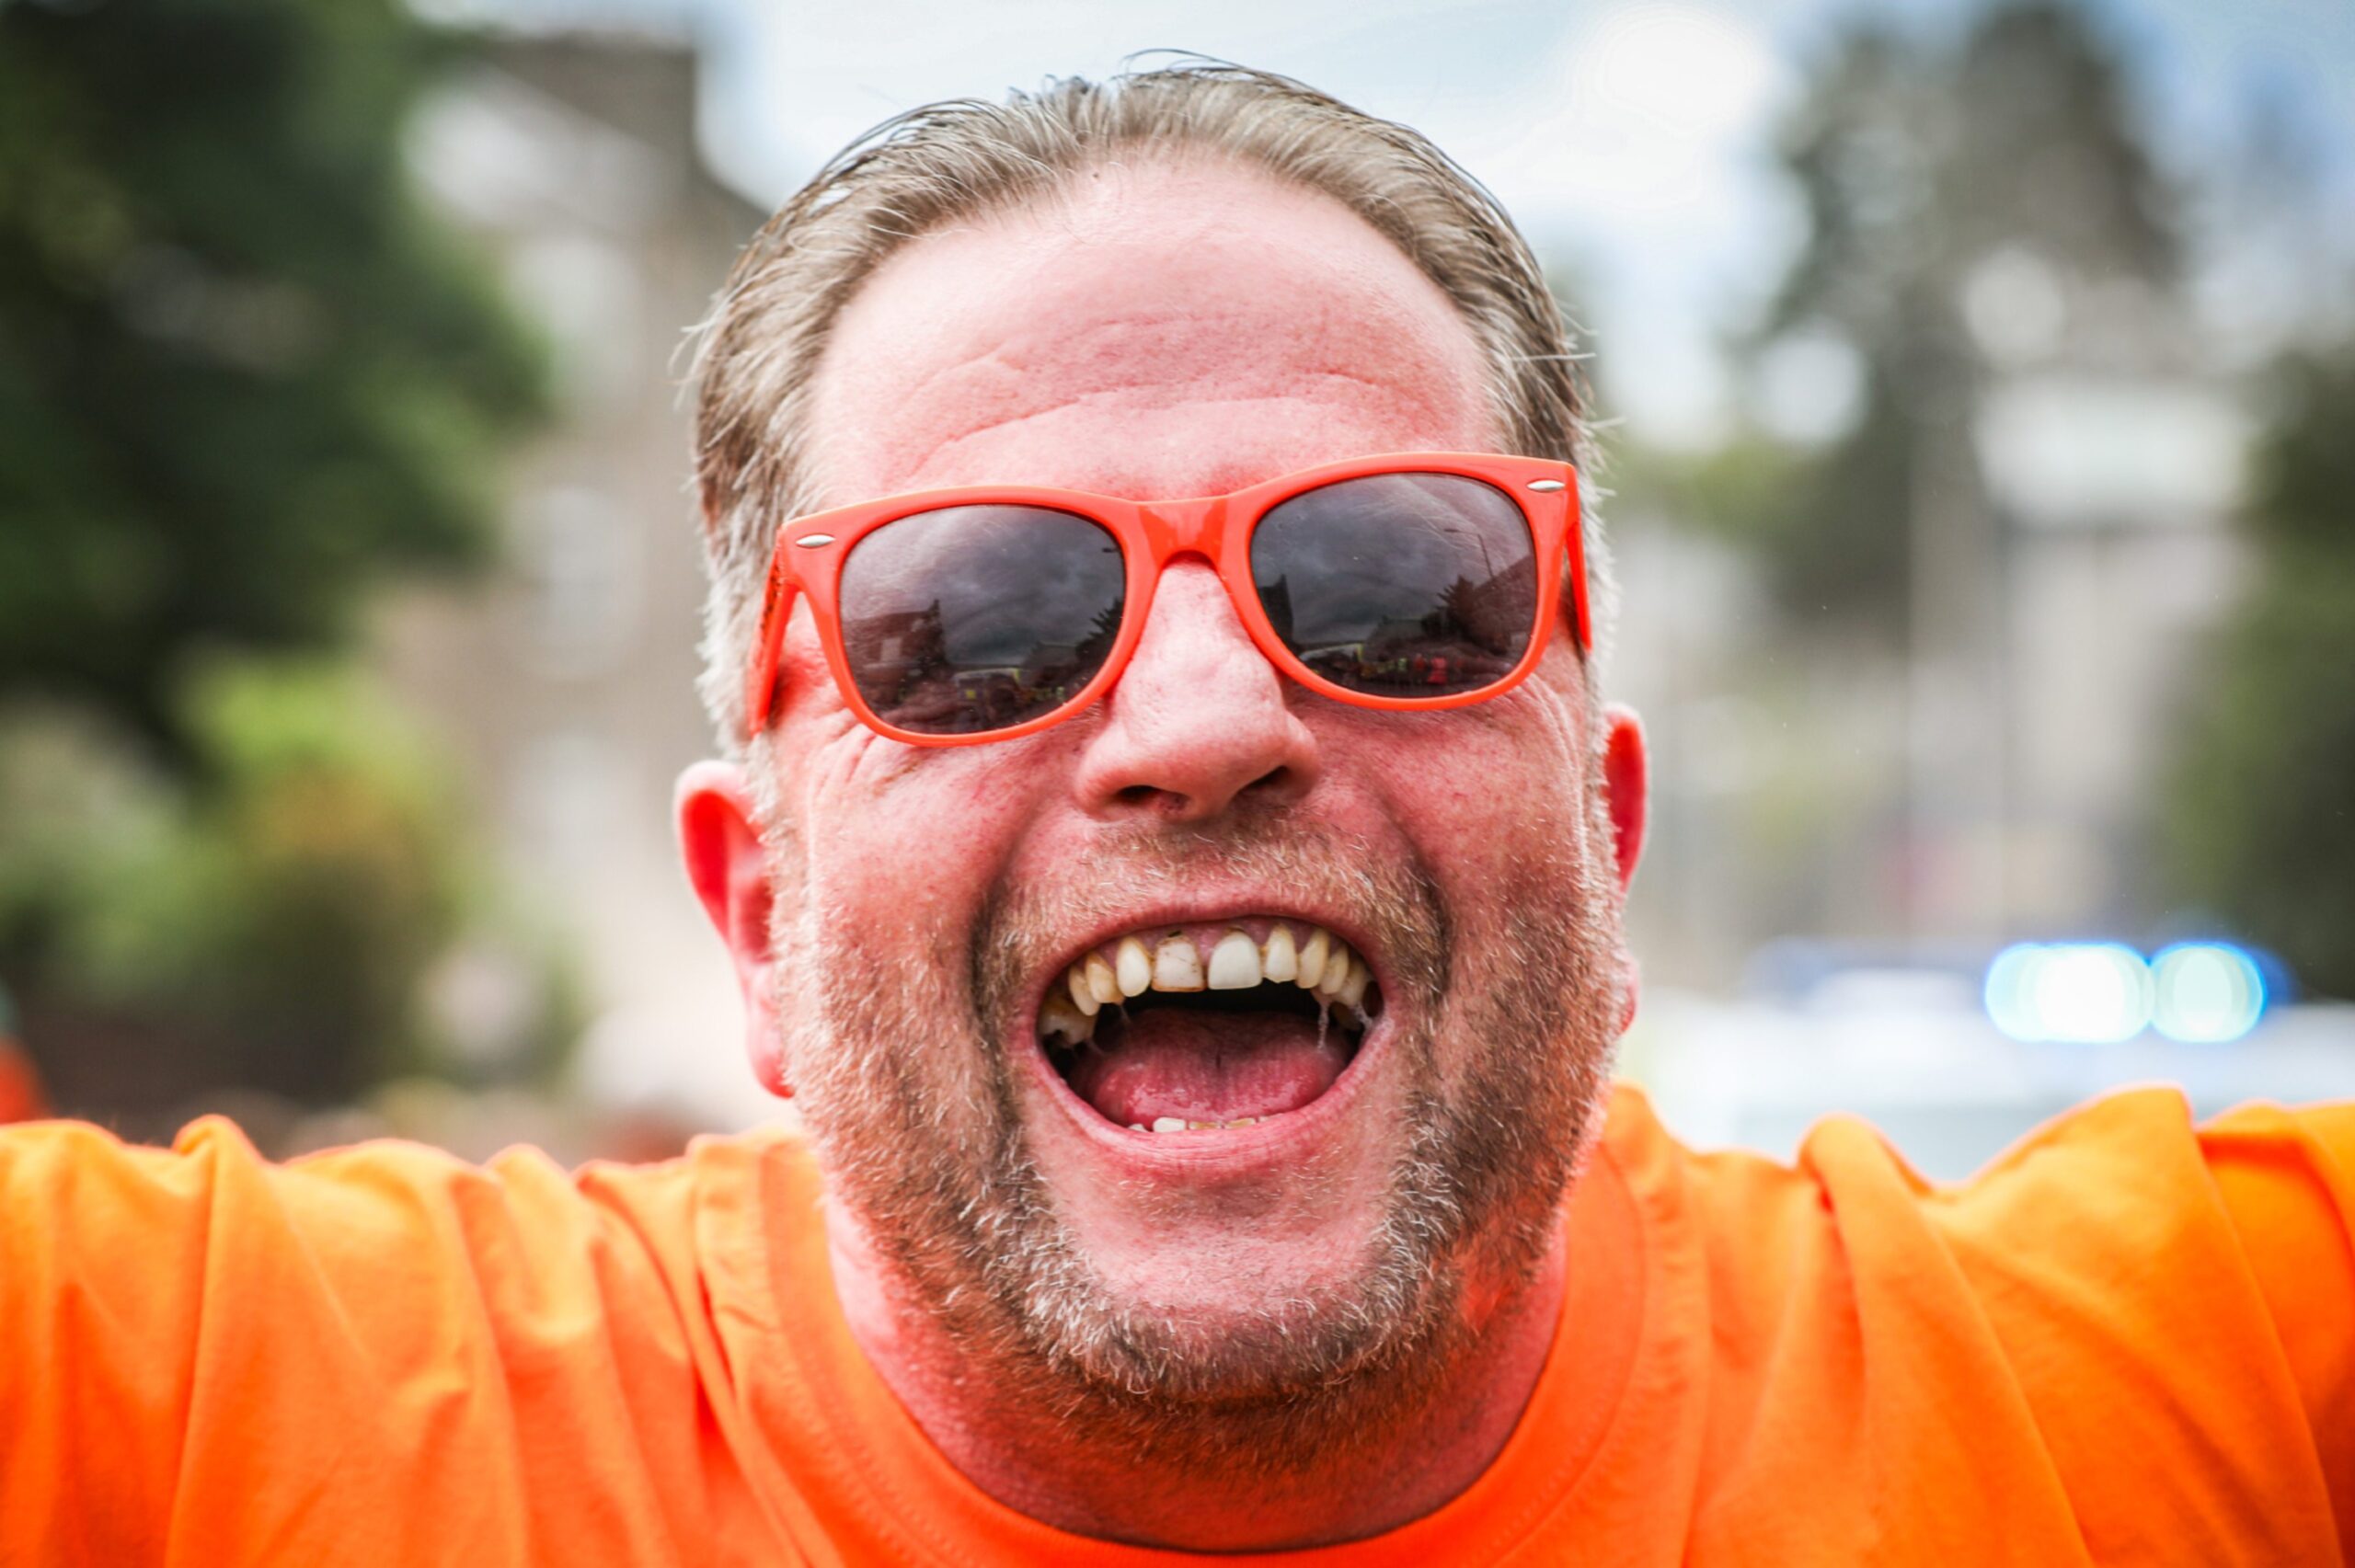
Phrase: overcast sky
x=1630 y=137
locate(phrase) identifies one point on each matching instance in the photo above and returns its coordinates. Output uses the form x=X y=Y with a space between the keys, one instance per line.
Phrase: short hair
x=949 y=162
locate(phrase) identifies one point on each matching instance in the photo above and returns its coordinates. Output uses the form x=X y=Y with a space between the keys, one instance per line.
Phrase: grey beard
x=911 y=1107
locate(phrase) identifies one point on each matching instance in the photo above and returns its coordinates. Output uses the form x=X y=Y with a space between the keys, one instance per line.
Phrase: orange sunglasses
x=949 y=617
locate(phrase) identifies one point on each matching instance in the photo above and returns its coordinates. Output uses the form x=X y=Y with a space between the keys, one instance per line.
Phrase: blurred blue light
x=2205 y=992
x=2082 y=992
x=2008 y=990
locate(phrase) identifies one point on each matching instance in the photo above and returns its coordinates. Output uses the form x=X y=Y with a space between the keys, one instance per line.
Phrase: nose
x=1198 y=720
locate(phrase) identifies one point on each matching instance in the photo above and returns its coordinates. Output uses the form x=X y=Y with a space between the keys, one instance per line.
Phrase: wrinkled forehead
x=1155 y=328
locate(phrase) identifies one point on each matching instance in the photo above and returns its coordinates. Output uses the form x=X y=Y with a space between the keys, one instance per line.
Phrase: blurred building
x=566 y=683
x=2114 y=453
x=1992 y=777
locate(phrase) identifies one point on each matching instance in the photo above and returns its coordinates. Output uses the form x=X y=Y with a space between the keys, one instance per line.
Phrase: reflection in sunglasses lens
x=971 y=619
x=1400 y=585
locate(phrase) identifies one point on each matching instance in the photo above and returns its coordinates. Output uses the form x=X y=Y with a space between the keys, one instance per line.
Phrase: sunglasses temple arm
x=769 y=647
x=1574 y=574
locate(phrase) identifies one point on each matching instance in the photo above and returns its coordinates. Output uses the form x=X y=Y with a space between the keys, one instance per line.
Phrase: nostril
x=1275 y=781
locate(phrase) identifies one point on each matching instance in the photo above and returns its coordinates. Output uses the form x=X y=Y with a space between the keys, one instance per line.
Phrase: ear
x=729 y=868
x=1626 y=782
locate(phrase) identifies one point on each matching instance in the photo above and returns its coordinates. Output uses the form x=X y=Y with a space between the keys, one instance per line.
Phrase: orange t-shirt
x=2128 y=1340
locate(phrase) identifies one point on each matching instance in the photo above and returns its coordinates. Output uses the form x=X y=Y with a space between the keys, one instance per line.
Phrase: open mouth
x=1185 y=1028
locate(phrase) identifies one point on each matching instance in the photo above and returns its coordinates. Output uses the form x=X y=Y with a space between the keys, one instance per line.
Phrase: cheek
x=904 y=844
x=1490 y=795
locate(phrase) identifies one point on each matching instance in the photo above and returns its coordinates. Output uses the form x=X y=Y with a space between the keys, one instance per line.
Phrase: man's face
x=1167 y=332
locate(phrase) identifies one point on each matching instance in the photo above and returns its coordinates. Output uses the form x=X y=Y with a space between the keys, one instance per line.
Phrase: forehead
x=1157 y=329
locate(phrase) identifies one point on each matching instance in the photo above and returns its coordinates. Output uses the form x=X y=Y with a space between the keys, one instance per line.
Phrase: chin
x=1171 y=1329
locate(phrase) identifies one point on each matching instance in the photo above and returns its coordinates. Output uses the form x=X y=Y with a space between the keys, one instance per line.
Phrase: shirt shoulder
x=382 y=1340
x=1946 y=1351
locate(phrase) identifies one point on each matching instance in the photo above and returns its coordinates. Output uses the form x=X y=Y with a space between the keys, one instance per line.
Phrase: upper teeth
x=1132 y=967
x=1318 y=962
x=1175 y=966
x=1101 y=982
x=1235 y=962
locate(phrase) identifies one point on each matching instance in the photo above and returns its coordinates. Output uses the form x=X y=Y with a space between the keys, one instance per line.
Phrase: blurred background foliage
x=244 y=375
x=269 y=925
x=242 y=370
x=2259 y=820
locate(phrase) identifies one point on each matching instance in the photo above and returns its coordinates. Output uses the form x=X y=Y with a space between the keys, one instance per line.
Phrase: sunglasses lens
x=970 y=619
x=1400 y=585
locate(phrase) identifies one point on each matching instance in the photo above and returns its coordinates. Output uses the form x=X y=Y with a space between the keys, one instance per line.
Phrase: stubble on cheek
x=908 y=1110
x=907 y=1087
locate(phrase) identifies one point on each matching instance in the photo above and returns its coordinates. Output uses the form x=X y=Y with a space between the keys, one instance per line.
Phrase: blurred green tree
x=269 y=931
x=244 y=374
x=1918 y=168
x=242 y=370
x=2259 y=824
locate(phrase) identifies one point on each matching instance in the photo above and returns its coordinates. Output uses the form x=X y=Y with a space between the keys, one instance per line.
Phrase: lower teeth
x=1179 y=1124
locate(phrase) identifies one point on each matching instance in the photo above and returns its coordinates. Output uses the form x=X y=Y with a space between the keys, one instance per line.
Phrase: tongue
x=1209 y=1067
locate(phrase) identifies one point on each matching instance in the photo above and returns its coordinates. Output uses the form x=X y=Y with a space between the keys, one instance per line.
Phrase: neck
x=1374 y=1453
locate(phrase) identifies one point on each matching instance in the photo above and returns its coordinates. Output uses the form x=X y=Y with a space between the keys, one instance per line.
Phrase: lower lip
x=1269 y=1143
